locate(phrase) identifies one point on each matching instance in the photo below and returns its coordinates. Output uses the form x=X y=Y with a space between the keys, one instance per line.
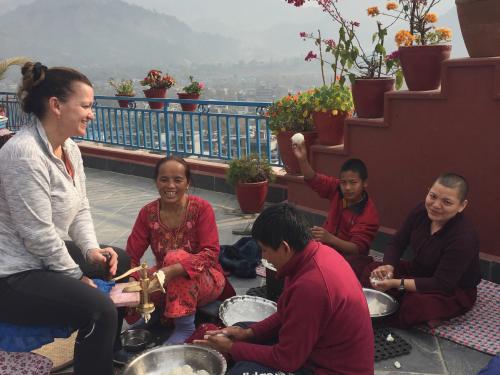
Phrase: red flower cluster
x=297 y=3
x=156 y=80
x=310 y=56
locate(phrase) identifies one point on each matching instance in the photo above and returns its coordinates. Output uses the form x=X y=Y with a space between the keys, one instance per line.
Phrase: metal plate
x=379 y=303
x=161 y=360
x=245 y=309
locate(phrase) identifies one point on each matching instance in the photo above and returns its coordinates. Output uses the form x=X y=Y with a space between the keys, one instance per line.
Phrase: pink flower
x=393 y=56
x=311 y=55
x=297 y=3
x=330 y=43
x=303 y=34
x=202 y=85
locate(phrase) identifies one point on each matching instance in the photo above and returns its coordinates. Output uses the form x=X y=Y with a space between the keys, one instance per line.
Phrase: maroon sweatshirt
x=322 y=320
x=357 y=223
x=443 y=261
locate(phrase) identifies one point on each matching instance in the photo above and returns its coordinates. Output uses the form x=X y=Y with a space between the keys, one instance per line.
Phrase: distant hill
x=107 y=33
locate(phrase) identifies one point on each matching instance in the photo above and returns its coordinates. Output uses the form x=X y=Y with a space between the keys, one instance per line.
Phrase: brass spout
x=145 y=287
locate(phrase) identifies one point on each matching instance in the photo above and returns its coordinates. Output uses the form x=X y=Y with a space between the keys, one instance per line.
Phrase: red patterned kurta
x=194 y=244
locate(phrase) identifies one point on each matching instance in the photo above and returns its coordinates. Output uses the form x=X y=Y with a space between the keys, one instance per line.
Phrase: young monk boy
x=352 y=221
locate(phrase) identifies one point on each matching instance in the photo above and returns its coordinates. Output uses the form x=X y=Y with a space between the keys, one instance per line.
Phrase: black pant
x=41 y=297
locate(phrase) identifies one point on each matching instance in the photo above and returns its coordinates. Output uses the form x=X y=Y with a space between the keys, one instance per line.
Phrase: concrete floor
x=116 y=199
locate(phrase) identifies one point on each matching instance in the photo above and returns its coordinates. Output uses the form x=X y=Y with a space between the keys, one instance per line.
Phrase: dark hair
x=40 y=83
x=187 y=168
x=355 y=165
x=455 y=181
x=282 y=222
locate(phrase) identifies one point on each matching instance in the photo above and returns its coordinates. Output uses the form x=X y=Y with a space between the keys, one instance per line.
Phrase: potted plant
x=480 y=26
x=250 y=177
x=372 y=75
x=158 y=84
x=422 y=47
x=287 y=116
x=191 y=91
x=123 y=88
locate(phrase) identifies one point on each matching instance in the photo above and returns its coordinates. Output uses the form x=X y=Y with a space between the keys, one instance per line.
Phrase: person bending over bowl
x=322 y=324
x=440 y=282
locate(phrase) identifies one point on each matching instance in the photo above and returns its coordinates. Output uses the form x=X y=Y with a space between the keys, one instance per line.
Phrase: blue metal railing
x=220 y=130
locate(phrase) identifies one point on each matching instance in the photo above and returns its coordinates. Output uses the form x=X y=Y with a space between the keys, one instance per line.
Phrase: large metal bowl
x=163 y=359
x=245 y=309
x=380 y=304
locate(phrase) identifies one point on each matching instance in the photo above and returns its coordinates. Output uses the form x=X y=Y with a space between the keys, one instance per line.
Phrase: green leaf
x=399 y=79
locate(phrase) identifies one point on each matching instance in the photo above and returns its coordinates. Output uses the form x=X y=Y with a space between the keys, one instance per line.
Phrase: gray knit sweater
x=40 y=204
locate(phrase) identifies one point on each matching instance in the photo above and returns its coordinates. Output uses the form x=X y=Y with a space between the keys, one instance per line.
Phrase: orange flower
x=391 y=6
x=444 y=33
x=404 y=38
x=431 y=17
x=373 y=11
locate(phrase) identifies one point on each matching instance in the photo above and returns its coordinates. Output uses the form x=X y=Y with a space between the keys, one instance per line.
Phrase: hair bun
x=38 y=72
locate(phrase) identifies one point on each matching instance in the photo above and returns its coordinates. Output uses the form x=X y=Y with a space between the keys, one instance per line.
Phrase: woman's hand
x=384 y=284
x=88 y=281
x=383 y=272
x=97 y=256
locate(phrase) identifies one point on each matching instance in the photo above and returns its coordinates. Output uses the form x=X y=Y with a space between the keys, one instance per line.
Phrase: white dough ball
x=297 y=138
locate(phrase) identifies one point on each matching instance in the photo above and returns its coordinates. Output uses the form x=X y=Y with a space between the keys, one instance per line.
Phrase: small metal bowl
x=380 y=304
x=245 y=309
x=162 y=359
x=135 y=340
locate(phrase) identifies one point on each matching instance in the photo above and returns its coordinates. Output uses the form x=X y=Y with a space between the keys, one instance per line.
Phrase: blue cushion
x=25 y=338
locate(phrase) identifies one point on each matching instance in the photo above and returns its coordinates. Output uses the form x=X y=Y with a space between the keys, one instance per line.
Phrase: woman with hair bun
x=43 y=279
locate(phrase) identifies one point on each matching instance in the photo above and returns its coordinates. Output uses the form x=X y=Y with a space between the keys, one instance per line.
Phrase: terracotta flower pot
x=330 y=127
x=123 y=103
x=368 y=96
x=480 y=26
x=422 y=65
x=188 y=107
x=286 y=152
x=251 y=196
x=155 y=93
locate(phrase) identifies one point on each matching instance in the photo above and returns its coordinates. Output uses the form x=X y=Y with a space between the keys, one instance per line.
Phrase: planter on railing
x=155 y=93
x=188 y=107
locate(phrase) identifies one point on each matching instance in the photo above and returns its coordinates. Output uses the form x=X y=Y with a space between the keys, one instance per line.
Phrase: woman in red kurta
x=182 y=233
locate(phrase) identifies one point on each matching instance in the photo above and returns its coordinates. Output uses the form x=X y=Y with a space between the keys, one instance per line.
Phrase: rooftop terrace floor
x=116 y=199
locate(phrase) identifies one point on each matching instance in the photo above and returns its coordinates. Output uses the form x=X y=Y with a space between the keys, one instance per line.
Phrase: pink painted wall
x=423 y=134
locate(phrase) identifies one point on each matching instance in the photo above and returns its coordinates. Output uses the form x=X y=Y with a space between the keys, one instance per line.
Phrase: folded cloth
x=25 y=338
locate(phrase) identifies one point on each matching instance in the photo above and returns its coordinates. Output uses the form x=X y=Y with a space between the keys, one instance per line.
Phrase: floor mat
x=385 y=349
x=479 y=328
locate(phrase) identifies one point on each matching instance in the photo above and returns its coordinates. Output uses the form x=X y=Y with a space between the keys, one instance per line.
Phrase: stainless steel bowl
x=380 y=304
x=245 y=309
x=162 y=359
x=135 y=340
